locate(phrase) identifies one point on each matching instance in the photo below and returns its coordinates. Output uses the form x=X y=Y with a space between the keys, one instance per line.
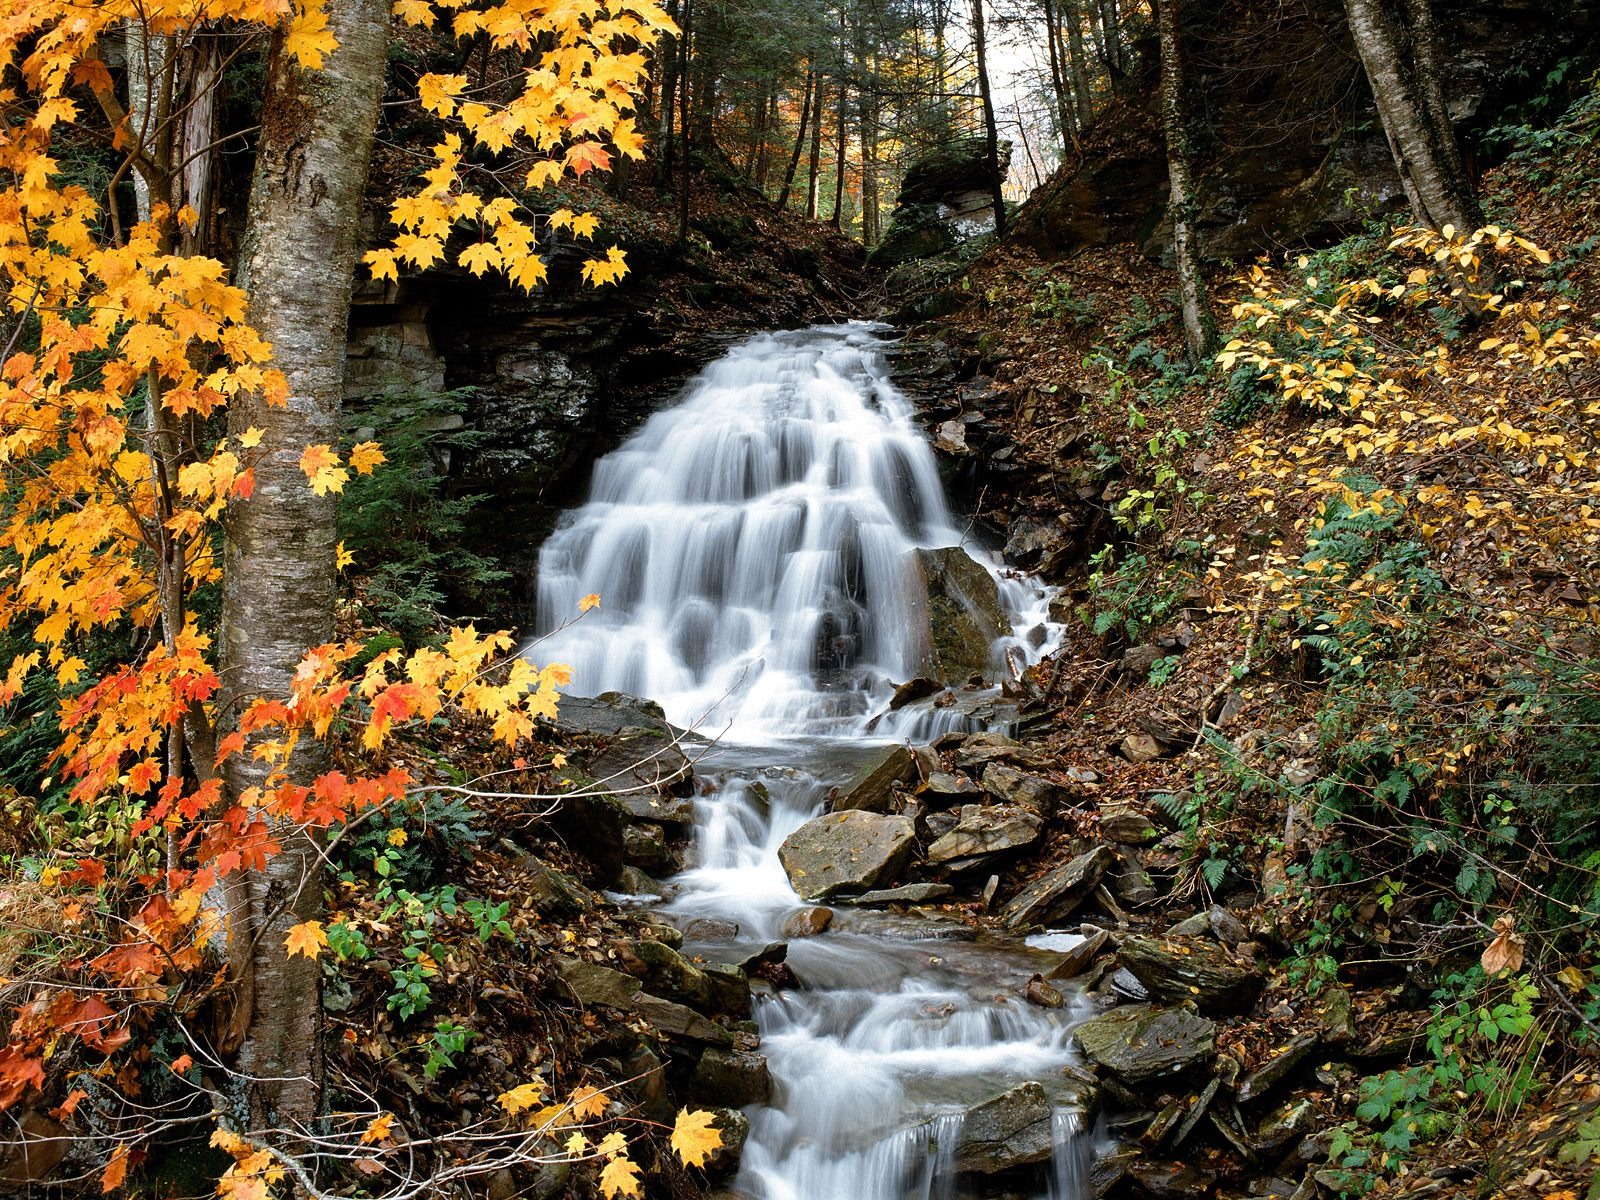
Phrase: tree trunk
x=670 y=72
x=1438 y=196
x=1058 y=80
x=806 y=102
x=685 y=44
x=840 y=152
x=1111 y=30
x=1425 y=56
x=814 y=182
x=990 y=132
x=298 y=263
x=1199 y=329
x=1078 y=62
x=867 y=116
x=197 y=155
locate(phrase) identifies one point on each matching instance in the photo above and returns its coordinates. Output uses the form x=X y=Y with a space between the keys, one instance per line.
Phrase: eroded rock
x=982 y=832
x=846 y=852
x=1012 y=1129
x=1193 y=969
x=1058 y=893
x=1138 y=1042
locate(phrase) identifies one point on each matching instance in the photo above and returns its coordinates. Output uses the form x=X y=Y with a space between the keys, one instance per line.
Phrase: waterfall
x=752 y=547
x=755 y=551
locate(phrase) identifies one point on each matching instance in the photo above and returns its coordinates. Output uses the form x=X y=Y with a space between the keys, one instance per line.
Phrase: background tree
x=1199 y=327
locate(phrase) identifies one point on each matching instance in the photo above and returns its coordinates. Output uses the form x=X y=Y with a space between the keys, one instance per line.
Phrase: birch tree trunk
x=814 y=181
x=1199 y=329
x=297 y=262
x=1429 y=171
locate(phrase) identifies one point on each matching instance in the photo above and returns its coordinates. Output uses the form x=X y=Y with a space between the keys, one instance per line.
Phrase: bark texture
x=298 y=262
x=991 y=132
x=1424 y=149
x=1199 y=329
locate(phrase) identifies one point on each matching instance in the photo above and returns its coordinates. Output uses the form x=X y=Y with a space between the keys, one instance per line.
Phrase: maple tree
x=122 y=493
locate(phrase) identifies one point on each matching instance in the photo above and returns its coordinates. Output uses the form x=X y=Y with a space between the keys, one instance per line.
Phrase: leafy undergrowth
x=1332 y=604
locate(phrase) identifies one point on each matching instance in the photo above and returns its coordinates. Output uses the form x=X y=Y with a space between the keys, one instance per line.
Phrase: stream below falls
x=755 y=551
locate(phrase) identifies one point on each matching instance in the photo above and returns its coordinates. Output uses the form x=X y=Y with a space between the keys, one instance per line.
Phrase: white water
x=753 y=549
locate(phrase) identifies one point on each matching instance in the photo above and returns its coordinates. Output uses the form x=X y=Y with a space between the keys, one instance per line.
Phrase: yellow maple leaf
x=309 y=36
x=620 y=1178
x=584 y=225
x=592 y=600
x=694 y=1138
x=588 y=1102
x=250 y=438
x=576 y=1144
x=322 y=469
x=414 y=12
x=342 y=558
x=598 y=272
x=306 y=938
x=522 y=1097
x=364 y=456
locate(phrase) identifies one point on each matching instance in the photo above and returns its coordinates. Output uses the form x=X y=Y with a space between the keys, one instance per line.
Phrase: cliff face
x=1289 y=149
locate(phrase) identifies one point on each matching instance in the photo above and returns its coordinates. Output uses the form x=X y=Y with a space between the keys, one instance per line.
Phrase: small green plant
x=447 y=1040
x=1130 y=597
x=1163 y=669
x=1584 y=1151
x=1056 y=301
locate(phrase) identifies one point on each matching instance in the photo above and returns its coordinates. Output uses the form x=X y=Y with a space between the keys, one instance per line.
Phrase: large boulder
x=984 y=832
x=846 y=852
x=1143 y=1041
x=946 y=198
x=961 y=617
x=1058 y=893
x=1192 y=968
x=1012 y=1129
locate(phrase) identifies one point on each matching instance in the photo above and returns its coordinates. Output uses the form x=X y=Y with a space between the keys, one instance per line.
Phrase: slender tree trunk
x=840 y=155
x=672 y=59
x=867 y=117
x=1058 y=82
x=1199 y=329
x=991 y=132
x=148 y=57
x=814 y=181
x=685 y=46
x=1425 y=57
x=197 y=155
x=1438 y=194
x=806 y=103
x=1078 y=61
x=298 y=263
x=1111 y=27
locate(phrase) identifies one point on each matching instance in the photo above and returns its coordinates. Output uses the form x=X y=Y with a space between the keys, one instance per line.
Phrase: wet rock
x=1226 y=927
x=595 y=826
x=772 y=952
x=1138 y=1042
x=980 y=749
x=1012 y=1129
x=646 y=1084
x=846 y=852
x=1288 y=1121
x=1036 y=545
x=1128 y=823
x=662 y=932
x=808 y=922
x=730 y=989
x=983 y=832
x=962 y=615
x=638 y=751
x=733 y=1078
x=1011 y=786
x=1058 y=893
x=735 y=1129
x=666 y=973
x=1132 y=884
x=1173 y=1181
x=675 y=1020
x=1199 y=925
x=596 y=985
x=1125 y=985
x=645 y=847
x=662 y=809
x=911 y=893
x=631 y=881
x=1075 y=961
x=1281 y=1060
x=1336 y=1011
x=913 y=690
x=872 y=786
x=951 y=438
x=1041 y=993
x=942 y=787
x=1193 y=969
x=1111 y=1168
x=711 y=929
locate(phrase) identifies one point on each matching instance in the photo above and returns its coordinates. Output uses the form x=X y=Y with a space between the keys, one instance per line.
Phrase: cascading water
x=754 y=549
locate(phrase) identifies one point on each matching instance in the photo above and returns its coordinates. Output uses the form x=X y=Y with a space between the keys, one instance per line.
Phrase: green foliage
x=1584 y=1151
x=404 y=524
x=1056 y=301
x=447 y=1040
x=1130 y=597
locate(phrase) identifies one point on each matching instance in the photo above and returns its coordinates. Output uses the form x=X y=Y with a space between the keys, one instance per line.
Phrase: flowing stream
x=754 y=549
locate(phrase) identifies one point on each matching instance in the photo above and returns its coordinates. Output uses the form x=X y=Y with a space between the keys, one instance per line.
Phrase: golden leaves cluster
x=563 y=106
